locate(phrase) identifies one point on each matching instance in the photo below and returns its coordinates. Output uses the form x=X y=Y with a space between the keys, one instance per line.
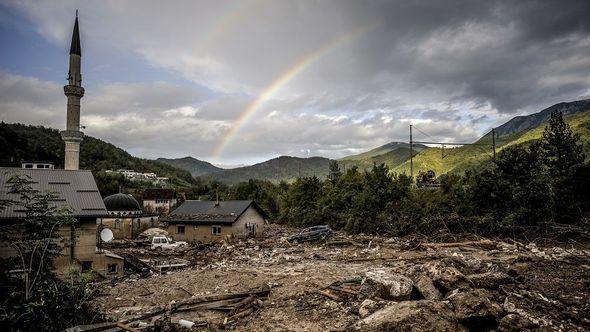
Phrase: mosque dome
x=121 y=202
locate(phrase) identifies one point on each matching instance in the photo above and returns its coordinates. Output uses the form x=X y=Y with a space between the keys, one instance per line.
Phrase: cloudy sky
x=238 y=82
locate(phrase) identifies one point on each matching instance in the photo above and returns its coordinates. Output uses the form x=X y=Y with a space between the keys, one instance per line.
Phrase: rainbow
x=284 y=79
x=225 y=24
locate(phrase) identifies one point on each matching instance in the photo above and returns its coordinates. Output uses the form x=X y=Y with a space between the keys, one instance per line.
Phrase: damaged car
x=311 y=234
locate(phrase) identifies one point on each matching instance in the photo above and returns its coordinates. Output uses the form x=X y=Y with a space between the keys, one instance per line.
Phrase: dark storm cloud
x=453 y=67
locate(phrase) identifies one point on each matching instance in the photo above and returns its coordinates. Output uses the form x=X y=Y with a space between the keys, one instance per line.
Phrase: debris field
x=354 y=283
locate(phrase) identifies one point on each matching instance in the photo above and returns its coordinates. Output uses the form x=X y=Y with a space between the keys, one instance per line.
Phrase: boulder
x=490 y=280
x=390 y=286
x=369 y=306
x=516 y=322
x=474 y=309
x=425 y=287
x=423 y=315
x=450 y=278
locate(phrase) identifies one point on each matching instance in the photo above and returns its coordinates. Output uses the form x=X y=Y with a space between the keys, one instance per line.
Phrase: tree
x=302 y=202
x=562 y=155
x=334 y=172
x=37 y=240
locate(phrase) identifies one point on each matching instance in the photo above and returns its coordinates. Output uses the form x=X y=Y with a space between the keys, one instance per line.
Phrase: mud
x=474 y=285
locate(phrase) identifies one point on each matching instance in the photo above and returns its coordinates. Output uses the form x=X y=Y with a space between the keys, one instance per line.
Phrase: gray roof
x=209 y=212
x=74 y=189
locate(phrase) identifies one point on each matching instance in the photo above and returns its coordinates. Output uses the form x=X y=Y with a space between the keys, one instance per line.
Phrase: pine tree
x=562 y=154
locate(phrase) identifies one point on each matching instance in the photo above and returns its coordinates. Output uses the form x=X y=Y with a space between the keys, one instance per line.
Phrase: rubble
x=425 y=288
x=359 y=282
x=474 y=309
x=389 y=285
x=418 y=316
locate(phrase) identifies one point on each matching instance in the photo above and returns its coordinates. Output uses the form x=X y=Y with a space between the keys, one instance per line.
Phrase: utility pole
x=411 y=156
x=494 y=141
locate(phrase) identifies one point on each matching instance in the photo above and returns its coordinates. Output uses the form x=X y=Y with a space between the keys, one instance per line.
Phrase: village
x=162 y=262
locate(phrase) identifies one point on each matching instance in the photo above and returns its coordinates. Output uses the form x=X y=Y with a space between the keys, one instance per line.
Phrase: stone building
x=211 y=221
x=77 y=191
x=125 y=217
x=159 y=200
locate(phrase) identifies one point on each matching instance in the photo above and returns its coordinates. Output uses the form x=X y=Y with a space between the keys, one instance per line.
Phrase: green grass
x=460 y=158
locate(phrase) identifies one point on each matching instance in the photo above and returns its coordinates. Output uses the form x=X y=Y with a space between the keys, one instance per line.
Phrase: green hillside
x=387 y=148
x=392 y=158
x=195 y=166
x=460 y=158
x=20 y=142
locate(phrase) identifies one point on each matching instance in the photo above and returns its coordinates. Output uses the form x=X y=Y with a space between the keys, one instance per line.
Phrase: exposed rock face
x=390 y=286
x=490 y=280
x=474 y=309
x=416 y=316
x=426 y=289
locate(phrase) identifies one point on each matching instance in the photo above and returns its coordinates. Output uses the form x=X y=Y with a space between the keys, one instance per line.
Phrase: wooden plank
x=329 y=295
x=263 y=291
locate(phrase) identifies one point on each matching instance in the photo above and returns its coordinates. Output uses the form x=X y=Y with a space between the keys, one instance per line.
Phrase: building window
x=117 y=224
x=86 y=266
x=180 y=229
x=216 y=230
x=112 y=268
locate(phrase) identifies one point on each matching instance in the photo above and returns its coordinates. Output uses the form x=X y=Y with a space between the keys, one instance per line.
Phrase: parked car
x=311 y=234
x=165 y=242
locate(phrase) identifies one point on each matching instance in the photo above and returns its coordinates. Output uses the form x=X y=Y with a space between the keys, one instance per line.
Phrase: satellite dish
x=106 y=235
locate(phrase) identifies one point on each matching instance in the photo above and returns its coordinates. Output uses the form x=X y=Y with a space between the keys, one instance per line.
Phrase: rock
x=369 y=306
x=490 y=280
x=474 y=309
x=389 y=285
x=515 y=322
x=426 y=289
x=423 y=315
x=317 y=256
x=449 y=279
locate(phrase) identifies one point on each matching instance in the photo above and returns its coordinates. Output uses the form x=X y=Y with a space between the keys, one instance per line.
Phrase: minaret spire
x=72 y=136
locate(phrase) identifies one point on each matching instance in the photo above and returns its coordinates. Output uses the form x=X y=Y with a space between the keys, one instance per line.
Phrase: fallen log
x=208 y=305
x=153 y=312
x=485 y=244
x=263 y=291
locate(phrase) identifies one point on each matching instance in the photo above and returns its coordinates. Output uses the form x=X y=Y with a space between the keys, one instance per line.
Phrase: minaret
x=72 y=136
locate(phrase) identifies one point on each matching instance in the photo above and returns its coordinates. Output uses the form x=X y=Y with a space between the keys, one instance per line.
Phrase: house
x=37 y=164
x=211 y=221
x=77 y=190
x=125 y=218
x=159 y=200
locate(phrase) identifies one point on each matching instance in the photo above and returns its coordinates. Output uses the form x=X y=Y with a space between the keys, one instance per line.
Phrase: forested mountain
x=20 y=142
x=521 y=124
x=389 y=147
x=277 y=169
x=195 y=166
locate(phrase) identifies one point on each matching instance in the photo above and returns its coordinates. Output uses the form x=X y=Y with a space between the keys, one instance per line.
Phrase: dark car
x=311 y=234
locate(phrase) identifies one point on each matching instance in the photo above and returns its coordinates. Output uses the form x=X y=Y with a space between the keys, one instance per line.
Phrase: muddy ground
x=377 y=284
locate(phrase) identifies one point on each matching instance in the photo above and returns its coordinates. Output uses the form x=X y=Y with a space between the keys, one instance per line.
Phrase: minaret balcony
x=74 y=90
x=72 y=135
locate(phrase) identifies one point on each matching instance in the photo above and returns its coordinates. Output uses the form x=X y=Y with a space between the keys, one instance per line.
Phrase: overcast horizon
x=239 y=82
